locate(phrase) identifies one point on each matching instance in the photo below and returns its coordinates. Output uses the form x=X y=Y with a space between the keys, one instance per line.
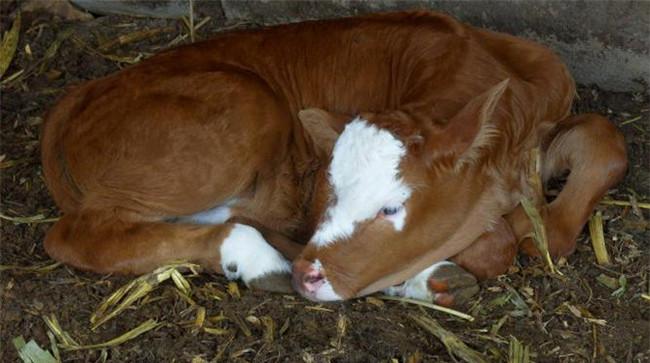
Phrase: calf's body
x=198 y=153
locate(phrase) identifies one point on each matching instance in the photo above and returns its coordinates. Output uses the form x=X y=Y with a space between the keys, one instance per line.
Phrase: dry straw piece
x=539 y=233
x=623 y=203
x=132 y=37
x=39 y=218
x=128 y=294
x=269 y=329
x=443 y=309
x=9 y=45
x=341 y=330
x=454 y=345
x=31 y=353
x=517 y=352
x=66 y=342
x=530 y=207
x=35 y=269
x=598 y=238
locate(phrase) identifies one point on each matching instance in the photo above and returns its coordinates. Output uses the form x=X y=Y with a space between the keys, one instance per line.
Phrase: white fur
x=253 y=257
x=216 y=215
x=364 y=174
x=317 y=265
x=417 y=287
x=326 y=293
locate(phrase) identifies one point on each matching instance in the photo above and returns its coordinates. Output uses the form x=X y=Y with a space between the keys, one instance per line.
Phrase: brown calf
x=388 y=142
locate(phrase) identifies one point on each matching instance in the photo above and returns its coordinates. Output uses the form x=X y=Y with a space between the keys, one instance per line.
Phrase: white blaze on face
x=364 y=175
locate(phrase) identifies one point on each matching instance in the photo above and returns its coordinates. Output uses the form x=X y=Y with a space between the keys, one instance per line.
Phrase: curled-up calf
x=338 y=157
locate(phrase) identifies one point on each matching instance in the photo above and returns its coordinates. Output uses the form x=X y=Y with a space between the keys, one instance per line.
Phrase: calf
x=371 y=151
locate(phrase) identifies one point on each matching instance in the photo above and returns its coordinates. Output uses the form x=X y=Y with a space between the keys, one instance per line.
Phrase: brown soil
x=537 y=311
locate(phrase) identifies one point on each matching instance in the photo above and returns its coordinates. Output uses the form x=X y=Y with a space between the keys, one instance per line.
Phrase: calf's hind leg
x=592 y=149
x=106 y=243
x=588 y=146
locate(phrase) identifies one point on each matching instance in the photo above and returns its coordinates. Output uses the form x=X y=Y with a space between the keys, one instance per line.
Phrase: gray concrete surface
x=157 y=9
x=606 y=43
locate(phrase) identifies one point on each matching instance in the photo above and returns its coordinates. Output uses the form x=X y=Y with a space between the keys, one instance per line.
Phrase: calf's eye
x=389 y=211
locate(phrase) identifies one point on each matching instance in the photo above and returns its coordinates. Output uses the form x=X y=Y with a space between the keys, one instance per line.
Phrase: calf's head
x=398 y=195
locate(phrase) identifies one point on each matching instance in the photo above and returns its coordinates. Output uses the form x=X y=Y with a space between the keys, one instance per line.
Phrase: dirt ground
x=573 y=318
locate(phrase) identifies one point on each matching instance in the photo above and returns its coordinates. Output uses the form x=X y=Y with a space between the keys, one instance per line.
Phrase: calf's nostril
x=307 y=278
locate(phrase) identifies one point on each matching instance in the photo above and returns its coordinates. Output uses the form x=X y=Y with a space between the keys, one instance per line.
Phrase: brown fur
x=193 y=127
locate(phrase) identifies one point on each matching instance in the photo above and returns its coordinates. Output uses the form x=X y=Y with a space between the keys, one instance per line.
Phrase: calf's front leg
x=454 y=282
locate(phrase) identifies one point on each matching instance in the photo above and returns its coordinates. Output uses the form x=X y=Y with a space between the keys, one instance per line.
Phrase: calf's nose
x=306 y=278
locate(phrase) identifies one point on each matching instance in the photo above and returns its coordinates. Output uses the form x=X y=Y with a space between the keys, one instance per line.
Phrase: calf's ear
x=471 y=130
x=323 y=127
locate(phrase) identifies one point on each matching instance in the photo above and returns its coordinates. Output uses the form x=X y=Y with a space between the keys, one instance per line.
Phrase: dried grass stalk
x=443 y=309
x=269 y=329
x=191 y=21
x=32 y=353
x=38 y=218
x=598 y=238
x=634 y=119
x=36 y=269
x=216 y=331
x=341 y=330
x=284 y=327
x=454 y=345
x=53 y=346
x=517 y=352
x=539 y=233
x=535 y=176
x=61 y=335
x=67 y=343
x=133 y=37
x=9 y=45
x=200 y=317
x=181 y=283
x=319 y=308
x=531 y=207
x=233 y=290
x=494 y=330
x=241 y=324
x=128 y=294
x=624 y=203
x=182 y=37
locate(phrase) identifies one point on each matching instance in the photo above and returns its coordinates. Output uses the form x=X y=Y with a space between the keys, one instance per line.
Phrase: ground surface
x=547 y=313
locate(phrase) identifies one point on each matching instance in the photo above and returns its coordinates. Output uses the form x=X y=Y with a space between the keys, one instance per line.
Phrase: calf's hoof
x=246 y=255
x=443 y=283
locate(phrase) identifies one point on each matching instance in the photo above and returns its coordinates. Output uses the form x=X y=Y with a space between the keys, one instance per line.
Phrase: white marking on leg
x=364 y=175
x=245 y=254
x=417 y=287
